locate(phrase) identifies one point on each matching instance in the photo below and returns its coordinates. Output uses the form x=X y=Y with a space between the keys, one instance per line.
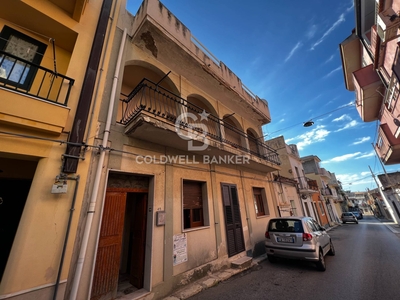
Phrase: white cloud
x=366 y=155
x=351 y=180
x=350 y=8
x=311 y=32
x=337 y=23
x=361 y=140
x=352 y=102
x=348 y=125
x=344 y=117
x=342 y=158
x=333 y=71
x=329 y=59
x=281 y=120
x=298 y=45
x=313 y=136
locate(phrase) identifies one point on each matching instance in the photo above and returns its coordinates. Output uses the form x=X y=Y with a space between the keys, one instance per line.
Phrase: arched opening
x=201 y=108
x=233 y=134
x=145 y=87
x=253 y=142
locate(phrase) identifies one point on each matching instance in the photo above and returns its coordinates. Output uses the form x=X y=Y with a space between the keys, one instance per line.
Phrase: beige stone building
x=181 y=184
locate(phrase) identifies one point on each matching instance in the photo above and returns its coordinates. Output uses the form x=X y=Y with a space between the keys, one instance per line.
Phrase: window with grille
x=18 y=67
x=193 y=203
x=260 y=202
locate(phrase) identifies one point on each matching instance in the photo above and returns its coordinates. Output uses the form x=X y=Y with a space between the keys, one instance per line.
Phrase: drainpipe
x=71 y=211
x=248 y=219
x=82 y=111
x=95 y=190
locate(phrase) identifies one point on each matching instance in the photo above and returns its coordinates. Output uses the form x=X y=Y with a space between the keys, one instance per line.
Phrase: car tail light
x=307 y=237
x=267 y=235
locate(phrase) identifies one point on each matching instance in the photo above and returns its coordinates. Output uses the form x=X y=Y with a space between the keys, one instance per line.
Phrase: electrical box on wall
x=59 y=187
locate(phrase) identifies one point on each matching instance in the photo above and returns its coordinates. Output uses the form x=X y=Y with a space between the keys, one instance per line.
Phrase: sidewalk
x=213 y=279
x=393 y=227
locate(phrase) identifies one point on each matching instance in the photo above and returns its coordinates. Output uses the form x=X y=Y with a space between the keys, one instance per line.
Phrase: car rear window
x=285 y=225
x=347 y=214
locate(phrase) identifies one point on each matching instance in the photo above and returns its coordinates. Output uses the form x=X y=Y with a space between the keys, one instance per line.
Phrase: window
x=193 y=203
x=312 y=225
x=16 y=70
x=260 y=202
x=380 y=142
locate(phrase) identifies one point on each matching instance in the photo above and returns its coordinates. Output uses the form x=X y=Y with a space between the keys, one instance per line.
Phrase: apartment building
x=45 y=49
x=294 y=191
x=181 y=184
x=372 y=70
x=324 y=201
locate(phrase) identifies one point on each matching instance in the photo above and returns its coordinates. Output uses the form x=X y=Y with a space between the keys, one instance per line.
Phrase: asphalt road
x=366 y=267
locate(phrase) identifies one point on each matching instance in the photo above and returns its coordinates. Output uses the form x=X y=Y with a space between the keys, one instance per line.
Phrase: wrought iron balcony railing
x=149 y=97
x=22 y=76
x=326 y=192
x=307 y=183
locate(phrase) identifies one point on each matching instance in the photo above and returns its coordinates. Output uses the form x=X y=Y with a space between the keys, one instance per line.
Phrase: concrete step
x=242 y=263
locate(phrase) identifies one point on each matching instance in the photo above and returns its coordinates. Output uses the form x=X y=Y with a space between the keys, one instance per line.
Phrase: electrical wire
x=314 y=118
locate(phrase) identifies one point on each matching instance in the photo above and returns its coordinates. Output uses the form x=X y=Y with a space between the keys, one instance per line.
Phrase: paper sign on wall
x=180 y=249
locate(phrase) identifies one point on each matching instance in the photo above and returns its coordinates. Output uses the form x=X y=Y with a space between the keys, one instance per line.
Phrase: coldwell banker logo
x=194 y=131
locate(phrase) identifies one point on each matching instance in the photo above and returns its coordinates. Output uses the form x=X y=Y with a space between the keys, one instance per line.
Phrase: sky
x=287 y=52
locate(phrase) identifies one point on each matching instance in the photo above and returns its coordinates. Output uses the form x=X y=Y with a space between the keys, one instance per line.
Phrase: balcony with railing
x=326 y=192
x=307 y=185
x=155 y=114
x=32 y=95
x=369 y=89
x=387 y=146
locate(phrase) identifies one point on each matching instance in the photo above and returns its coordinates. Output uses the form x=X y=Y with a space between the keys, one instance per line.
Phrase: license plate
x=285 y=239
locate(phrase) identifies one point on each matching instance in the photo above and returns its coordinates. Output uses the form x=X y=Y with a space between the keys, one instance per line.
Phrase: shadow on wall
x=259 y=249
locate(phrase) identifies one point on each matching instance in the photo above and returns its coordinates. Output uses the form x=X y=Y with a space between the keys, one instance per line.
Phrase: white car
x=298 y=238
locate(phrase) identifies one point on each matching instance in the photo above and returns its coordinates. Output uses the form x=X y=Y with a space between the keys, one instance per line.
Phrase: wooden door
x=233 y=220
x=138 y=241
x=105 y=279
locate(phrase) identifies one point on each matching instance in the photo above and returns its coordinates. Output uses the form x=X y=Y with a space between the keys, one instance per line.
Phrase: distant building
x=293 y=189
x=325 y=201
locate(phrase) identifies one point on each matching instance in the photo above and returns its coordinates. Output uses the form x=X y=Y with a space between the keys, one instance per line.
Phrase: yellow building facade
x=45 y=49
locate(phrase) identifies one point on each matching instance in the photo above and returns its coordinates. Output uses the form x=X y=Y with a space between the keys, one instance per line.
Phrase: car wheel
x=332 y=249
x=321 y=261
x=356 y=222
x=272 y=259
x=344 y=222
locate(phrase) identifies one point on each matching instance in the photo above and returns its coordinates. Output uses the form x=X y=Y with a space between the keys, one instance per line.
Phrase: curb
x=211 y=280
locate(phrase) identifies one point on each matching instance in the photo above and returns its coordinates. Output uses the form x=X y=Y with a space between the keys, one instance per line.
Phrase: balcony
x=369 y=90
x=326 y=192
x=154 y=114
x=324 y=173
x=307 y=185
x=350 y=51
x=388 y=146
x=42 y=93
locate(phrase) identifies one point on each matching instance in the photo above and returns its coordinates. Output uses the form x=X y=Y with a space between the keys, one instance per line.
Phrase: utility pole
x=383 y=196
x=392 y=186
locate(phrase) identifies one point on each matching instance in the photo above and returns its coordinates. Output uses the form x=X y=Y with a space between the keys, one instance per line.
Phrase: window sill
x=195 y=229
x=262 y=217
